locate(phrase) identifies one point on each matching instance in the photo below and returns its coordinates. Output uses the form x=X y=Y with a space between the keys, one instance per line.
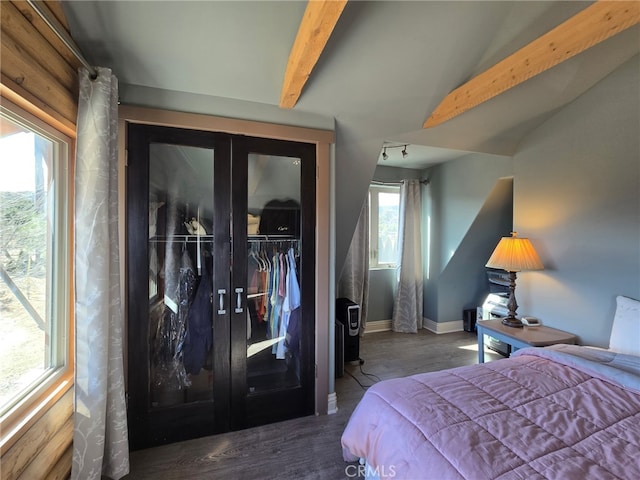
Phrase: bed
x=560 y=412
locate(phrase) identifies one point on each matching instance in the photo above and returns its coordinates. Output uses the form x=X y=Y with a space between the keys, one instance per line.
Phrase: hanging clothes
x=168 y=371
x=275 y=299
x=273 y=294
x=286 y=310
x=279 y=295
x=253 y=291
x=291 y=302
x=199 y=337
x=268 y=305
x=258 y=270
x=263 y=282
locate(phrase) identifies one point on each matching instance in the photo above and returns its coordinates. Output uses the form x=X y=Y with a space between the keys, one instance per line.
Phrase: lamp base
x=512 y=322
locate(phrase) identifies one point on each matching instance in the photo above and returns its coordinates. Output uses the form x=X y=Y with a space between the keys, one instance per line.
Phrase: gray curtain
x=354 y=281
x=100 y=439
x=407 y=306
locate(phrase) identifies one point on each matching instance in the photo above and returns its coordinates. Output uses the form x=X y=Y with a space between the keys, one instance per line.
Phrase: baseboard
x=442 y=327
x=332 y=407
x=378 y=326
x=435 y=327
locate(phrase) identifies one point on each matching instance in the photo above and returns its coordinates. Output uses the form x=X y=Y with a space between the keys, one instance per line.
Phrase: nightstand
x=520 y=337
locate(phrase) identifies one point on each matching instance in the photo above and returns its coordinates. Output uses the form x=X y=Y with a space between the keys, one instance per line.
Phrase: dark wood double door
x=221 y=295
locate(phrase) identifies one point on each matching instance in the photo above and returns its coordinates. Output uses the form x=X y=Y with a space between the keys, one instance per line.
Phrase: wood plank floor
x=309 y=447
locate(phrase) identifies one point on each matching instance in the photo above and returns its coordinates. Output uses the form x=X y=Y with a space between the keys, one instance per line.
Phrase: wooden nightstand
x=520 y=337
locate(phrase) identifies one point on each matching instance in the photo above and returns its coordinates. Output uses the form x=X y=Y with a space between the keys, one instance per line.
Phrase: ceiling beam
x=591 y=26
x=318 y=21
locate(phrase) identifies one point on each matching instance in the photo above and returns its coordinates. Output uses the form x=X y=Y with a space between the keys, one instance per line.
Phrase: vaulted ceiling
x=380 y=73
x=385 y=67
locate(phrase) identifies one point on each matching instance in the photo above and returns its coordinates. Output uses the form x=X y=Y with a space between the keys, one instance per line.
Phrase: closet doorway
x=221 y=282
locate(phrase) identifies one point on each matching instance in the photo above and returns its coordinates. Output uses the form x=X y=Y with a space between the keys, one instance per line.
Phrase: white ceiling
x=387 y=65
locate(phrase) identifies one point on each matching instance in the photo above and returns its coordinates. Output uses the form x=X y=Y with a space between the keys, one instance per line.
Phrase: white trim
x=442 y=327
x=332 y=403
x=378 y=326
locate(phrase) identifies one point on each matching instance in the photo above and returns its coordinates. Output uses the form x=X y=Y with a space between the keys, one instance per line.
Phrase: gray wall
x=576 y=196
x=467 y=207
x=222 y=107
x=466 y=210
x=395 y=174
x=576 y=184
x=463 y=283
x=458 y=190
x=382 y=288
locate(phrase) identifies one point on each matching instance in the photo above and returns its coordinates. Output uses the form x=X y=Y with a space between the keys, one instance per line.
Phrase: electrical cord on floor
x=364 y=387
x=370 y=376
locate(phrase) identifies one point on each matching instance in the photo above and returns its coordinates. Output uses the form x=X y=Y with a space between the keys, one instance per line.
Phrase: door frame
x=324 y=254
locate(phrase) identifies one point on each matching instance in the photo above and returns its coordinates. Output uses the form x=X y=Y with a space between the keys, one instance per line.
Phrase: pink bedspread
x=534 y=415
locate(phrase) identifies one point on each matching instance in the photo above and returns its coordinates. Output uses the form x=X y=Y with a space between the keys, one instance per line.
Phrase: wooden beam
x=318 y=21
x=591 y=26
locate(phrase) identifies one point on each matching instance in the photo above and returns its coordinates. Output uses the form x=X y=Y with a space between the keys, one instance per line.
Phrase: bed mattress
x=561 y=412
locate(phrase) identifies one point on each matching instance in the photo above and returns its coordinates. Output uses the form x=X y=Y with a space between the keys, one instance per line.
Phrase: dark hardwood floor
x=308 y=447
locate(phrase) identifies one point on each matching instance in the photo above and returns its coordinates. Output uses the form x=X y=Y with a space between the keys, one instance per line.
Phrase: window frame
x=374 y=191
x=49 y=387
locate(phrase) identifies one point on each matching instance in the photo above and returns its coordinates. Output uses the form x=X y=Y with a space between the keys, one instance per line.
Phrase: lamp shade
x=515 y=254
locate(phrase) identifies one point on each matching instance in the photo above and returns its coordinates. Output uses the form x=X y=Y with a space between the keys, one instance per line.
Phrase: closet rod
x=271 y=238
x=63 y=35
x=377 y=182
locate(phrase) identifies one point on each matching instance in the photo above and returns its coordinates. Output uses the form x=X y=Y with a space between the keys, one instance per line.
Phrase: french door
x=220 y=245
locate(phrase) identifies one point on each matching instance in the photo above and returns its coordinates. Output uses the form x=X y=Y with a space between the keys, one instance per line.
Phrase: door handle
x=221 y=293
x=239 y=300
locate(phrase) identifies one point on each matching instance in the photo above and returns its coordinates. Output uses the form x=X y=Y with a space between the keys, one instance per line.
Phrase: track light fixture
x=385 y=156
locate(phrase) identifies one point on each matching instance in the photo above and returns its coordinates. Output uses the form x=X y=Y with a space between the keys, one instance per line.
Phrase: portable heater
x=348 y=314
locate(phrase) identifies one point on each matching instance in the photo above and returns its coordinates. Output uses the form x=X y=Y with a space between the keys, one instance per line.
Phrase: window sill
x=25 y=414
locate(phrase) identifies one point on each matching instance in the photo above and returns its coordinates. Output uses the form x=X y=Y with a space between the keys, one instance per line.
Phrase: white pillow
x=625 y=333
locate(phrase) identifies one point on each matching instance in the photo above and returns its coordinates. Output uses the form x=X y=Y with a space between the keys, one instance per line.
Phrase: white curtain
x=407 y=307
x=354 y=281
x=100 y=439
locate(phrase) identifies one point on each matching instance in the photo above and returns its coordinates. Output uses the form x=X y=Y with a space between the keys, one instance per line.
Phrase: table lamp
x=514 y=254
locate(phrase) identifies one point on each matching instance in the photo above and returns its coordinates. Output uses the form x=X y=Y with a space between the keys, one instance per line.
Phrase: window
x=384 y=213
x=34 y=258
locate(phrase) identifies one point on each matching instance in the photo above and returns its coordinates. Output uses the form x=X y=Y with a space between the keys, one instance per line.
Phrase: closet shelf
x=208 y=238
x=271 y=238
